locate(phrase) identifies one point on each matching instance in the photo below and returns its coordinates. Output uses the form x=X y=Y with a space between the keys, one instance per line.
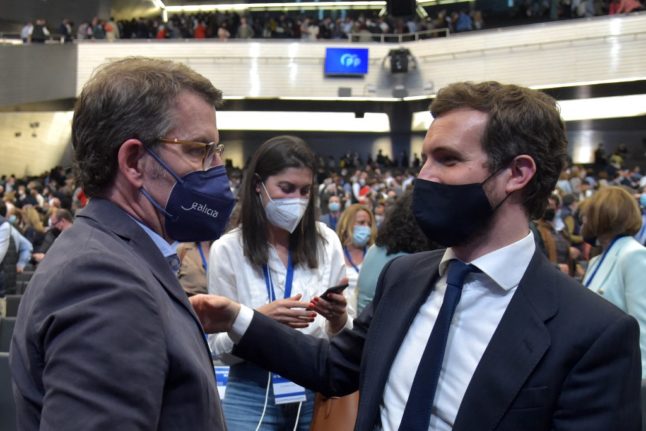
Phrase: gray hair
x=131 y=98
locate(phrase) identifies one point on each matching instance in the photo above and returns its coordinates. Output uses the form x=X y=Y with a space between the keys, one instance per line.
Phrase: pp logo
x=350 y=60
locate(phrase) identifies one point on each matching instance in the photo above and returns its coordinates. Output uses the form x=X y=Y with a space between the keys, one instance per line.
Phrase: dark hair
x=63 y=214
x=271 y=158
x=399 y=232
x=128 y=98
x=3 y=209
x=520 y=121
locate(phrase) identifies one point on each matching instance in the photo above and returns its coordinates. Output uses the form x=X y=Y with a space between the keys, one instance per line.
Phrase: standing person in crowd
x=357 y=232
x=106 y=338
x=25 y=32
x=193 y=262
x=331 y=219
x=611 y=218
x=528 y=349
x=277 y=261
x=39 y=33
x=398 y=235
x=15 y=252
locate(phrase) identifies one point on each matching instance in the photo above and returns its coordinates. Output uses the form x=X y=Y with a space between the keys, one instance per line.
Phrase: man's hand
x=216 y=313
x=290 y=312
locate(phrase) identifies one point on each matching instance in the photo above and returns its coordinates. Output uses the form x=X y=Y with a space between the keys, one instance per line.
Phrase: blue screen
x=346 y=61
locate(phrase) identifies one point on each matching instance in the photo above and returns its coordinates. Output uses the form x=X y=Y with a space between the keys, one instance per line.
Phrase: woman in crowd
x=611 y=218
x=278 y=260
x=357 y=232
x=398 y=235
x=32 y=226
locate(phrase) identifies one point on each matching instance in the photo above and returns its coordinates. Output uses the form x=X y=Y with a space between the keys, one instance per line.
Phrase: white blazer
x=621 y=279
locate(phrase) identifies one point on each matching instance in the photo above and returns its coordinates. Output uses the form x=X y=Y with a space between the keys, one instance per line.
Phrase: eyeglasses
x=207 y=151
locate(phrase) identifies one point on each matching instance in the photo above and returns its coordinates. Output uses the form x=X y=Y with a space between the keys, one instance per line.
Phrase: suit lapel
x=393 y=314
x=110 y=217
x=518 y=344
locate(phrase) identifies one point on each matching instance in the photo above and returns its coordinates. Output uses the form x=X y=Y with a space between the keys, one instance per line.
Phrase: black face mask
x=55 y=231
x=451 y=214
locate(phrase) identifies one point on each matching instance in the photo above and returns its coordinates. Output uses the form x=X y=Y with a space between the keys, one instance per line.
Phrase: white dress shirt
x=230 y=274
x=485 y=297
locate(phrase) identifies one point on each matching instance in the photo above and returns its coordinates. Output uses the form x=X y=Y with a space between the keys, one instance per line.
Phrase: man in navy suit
x=528 y=348
x=105 y=337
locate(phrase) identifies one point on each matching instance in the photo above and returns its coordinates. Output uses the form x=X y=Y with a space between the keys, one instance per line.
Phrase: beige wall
x=37 y=149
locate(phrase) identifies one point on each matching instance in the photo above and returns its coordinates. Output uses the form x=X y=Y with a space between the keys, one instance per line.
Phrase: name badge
x=221 y=379
x=286 y=392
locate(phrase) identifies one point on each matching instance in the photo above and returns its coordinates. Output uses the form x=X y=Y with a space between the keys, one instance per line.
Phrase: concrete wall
x=54 y=11
x=37 y=73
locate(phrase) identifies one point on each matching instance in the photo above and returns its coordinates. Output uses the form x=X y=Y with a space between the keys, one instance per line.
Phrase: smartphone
x=334 y=289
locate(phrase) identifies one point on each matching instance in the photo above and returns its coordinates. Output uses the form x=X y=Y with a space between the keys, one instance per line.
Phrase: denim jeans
x=245 y=397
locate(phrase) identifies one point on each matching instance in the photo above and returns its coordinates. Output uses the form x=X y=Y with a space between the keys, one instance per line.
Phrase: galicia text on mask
x=203 y=208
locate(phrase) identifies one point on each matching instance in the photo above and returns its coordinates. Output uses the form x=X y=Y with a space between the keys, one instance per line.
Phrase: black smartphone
x=334 y=289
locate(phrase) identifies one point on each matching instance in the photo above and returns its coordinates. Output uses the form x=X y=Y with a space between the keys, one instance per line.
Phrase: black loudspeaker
x=401 y=7
x=399 y=60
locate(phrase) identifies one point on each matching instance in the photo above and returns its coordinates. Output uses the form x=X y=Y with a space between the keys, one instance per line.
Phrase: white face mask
x=285 y=213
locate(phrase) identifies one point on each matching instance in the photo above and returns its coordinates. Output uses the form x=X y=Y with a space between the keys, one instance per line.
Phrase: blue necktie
x=417 y=413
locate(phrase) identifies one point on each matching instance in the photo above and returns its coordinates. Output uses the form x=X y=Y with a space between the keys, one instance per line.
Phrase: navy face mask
x=199 y=204
x=451 y=214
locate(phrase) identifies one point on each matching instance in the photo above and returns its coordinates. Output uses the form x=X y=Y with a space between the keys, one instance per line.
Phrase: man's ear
x=130 y=160
x=523 y=169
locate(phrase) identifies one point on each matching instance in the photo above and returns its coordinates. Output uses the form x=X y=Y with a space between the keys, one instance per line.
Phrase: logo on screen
x=350 y=60
x=346 y=61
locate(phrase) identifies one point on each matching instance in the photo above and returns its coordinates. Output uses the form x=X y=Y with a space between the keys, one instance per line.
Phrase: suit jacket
x=106 y=339
x=620 y=279
x=560 y=359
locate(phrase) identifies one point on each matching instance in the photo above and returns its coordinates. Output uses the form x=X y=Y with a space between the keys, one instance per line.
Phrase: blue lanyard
x=603 y=256
x=271 y=294
x=347 y=255
x=199 y=248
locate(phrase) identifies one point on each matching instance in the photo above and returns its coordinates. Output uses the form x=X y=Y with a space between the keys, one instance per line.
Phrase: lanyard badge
x=285 y=392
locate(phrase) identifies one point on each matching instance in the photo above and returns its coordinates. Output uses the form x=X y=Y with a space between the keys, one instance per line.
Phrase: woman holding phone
x=278 y=260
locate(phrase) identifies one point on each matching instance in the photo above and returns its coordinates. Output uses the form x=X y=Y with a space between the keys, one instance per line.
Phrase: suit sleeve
x=601 y=392
x=105 y=355
x=330 y=367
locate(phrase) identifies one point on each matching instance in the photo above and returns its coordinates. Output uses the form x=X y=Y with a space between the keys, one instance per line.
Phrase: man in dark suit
x=105 y=337
x=526 y=348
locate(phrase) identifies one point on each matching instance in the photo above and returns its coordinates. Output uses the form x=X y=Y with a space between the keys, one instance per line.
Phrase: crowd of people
x=350 y=188
x=361 y=26
x=413 y=289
